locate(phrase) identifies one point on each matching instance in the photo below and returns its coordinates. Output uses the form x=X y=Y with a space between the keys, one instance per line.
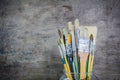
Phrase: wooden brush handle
x=82 y=69
x=66 y=70
x=89 y=66
x=83 y=58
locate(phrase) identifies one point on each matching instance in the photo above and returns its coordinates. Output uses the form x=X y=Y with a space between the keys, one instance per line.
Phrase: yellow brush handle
x=68 y=69
x=69 y=38
x=83 y=58
x=92 y=61
x=89 y=63
x=89 y=67
x=82 y=69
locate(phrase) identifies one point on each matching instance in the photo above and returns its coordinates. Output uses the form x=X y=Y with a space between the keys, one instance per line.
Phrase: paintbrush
x=74 y=63
x=92 y=33
x=67 y=60
x=63 y=49
x=65 y=64
x=91 y=57
x=77 y=32
x=83 y=51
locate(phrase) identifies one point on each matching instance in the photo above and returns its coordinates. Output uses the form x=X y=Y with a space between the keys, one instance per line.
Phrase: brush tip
x=91 y=37
x=76 y=23
x=70 y=26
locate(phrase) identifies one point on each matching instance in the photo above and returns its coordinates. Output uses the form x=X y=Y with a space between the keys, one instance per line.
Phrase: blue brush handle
x=70 y=60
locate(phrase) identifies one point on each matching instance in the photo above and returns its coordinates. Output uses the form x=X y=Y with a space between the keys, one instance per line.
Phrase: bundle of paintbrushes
x=77 y=45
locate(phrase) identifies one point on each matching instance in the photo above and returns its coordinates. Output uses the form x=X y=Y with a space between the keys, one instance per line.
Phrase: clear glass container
x=87 y=76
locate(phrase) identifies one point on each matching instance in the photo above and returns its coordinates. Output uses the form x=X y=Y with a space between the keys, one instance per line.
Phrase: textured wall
x=28 y=48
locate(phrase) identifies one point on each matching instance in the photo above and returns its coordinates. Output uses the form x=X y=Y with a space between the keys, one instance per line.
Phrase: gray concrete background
x=28 y=35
